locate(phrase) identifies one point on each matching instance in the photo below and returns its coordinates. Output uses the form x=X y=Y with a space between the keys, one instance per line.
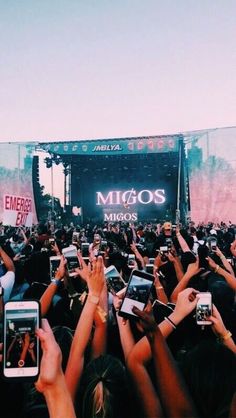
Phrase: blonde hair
x=103 y=388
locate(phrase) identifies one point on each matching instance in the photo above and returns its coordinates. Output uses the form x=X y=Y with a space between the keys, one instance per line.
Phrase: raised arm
x=7 y=260
x=46 y=298
x=192 y=270
x=230 y=279
x=172 y=390
x=51 y=382
x=126 y=337
x=183 y=244
x=137 y=254
x=225 y=262
x=95 y=281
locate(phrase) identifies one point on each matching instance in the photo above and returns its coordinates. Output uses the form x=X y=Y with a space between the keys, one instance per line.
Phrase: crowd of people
x=96 y=363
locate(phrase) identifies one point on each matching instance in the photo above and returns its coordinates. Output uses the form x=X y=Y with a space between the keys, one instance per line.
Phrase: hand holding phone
x=21 y=345
x=137 y=293
x=115 y=282
x=70 y=253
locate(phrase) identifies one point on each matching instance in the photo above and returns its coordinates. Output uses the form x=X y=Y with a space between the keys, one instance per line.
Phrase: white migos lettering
x=131 y=197
x=120 y=216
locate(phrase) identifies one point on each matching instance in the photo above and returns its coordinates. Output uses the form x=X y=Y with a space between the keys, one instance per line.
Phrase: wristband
x=94 y=299
x=159 y=287
x=170 y=322
x=56 y=282
x=217 y=268
x=225 y=337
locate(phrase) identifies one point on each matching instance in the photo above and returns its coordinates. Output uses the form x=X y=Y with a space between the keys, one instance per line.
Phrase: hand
x=96 y=277
x=193 y=268
x=212 y=263
x=218 y=325
x=50 y=366
x=61 y=271
x=158 y=262
x=55 y=248
x=171 y=257
x=147 y=320
x=83 y=271
x=186 y=302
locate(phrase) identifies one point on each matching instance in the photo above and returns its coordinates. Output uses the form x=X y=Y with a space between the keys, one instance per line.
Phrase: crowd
x=96 y=363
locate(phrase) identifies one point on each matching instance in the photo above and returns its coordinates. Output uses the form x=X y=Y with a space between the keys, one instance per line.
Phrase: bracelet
x=170 y=322
x=222 y=257
x=56 y=282
x=217 y=268
x=159 y=287
x=225 y=337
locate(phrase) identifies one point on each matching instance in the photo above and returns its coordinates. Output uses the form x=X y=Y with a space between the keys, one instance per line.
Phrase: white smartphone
x=54 y=262
x=203 y=308
x=70 y=253
x=131 y=260
x=115 y=282
x=21 y=345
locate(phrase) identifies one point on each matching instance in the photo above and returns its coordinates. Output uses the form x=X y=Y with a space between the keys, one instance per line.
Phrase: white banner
x=17 y=210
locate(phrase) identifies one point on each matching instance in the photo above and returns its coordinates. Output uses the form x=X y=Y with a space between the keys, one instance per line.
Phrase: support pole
x=177 y=219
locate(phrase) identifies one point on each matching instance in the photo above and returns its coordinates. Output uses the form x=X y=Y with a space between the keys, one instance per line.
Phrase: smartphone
x=75 y=237
x=21 y=346
x=114 y=281
x=213 y=245
x=85 y=249
x=149 y=268
x=70 y=253
x=54 y=262
x=203 y=308
x=131 y=260
x=151 y=260
x=51 y=241
x=203 y=252
x=137 y=293
x=169 y=243
x=163 y=252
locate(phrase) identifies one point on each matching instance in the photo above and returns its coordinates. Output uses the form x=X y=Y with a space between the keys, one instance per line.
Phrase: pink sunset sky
x=91 y=69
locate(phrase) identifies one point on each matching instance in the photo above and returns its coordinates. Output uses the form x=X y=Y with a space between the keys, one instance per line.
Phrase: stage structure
x=126 y=179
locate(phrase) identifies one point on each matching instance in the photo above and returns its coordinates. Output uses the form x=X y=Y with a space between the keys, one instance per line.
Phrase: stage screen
x=131 y=188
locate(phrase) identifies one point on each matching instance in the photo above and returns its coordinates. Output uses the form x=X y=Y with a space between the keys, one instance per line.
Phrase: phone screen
x=203 y=308
x=72 y=264
x=115 y=283
x=137 y=292
x=54 y=264
x=21 y=346
x=85 y=249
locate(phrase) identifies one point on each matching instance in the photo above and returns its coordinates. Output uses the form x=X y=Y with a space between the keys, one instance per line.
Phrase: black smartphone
x=21 y=345
x=137 y=293
x=85 y=249
x=203 y=252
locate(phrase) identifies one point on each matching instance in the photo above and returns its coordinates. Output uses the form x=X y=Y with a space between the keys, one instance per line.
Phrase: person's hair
x=210 y=373
x=103 y=389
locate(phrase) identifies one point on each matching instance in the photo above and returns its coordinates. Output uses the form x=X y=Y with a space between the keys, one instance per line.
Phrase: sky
x=73 y=69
